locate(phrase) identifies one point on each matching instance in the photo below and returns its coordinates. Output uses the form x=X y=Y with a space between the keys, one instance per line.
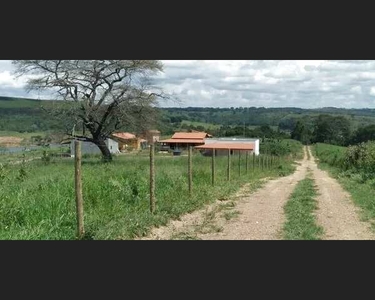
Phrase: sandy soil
x=10 y=141
x=336 y=212
x=259 y=215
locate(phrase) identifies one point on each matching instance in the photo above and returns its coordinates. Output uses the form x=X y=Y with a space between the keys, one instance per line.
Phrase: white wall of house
x=112 y=146
x=256 y=149
x=91 y=148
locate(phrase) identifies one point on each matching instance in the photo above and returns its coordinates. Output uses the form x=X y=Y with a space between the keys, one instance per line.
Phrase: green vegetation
x=323 y=129
x=200 y=126
x=302 y=132
x=24 y=135
x=332 y=130
x=6 y=158
x=37 y=199
x=284 y=147
x=330 y=154
x=26 y=115
x=299 y=211
x=364 y=134
x=358 y=159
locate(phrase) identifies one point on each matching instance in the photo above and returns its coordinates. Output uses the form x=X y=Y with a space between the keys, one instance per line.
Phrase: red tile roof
x=183 y=141
x=189 y=135
x=232 y=146
x=125 y=135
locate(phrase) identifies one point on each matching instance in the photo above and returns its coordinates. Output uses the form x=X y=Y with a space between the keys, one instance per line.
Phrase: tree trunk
x=107 y=156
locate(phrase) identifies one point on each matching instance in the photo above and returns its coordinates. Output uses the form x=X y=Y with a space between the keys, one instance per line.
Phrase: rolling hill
x=26 y=115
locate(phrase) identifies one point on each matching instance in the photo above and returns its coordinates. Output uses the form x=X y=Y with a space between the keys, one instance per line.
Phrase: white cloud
x=356 y=89
x=372 y=91
x=269 y=83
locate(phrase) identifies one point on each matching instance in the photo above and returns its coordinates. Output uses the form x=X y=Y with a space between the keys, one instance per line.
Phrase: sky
x=259 y=83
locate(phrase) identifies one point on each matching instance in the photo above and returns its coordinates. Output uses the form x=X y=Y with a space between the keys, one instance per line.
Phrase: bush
x=46 y=158
x=281 y=147
x=22 y=173
x=359 y=159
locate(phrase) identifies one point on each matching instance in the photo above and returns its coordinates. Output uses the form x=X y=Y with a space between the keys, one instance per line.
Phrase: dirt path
x=259 y=215
x=336 y=212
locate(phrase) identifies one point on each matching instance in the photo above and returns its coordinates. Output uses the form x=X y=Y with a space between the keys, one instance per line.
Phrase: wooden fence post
x=253 y=161
x=228 y=169
x=247 y=161
x=258 y=161
x=78 y=188
x=213 y=166
x=190 y=169
x=239 y=163
x=152 y=178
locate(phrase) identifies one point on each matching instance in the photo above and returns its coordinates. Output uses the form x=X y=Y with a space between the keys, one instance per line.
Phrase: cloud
x=268 y=83
x=372 y=91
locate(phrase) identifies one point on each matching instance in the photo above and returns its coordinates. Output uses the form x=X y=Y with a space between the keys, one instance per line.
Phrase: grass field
x=37 y=201
x=299 y=211
x=24 y=135
x=330 y=154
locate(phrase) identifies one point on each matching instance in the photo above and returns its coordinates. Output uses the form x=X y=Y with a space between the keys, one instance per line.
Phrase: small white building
x=91 y=148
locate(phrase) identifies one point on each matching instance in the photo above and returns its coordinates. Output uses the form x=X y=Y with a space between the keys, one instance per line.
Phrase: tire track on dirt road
x=337 y=213
x=261 y=214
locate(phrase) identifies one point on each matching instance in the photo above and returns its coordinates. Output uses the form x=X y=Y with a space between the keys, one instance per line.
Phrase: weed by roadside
x=299 y=210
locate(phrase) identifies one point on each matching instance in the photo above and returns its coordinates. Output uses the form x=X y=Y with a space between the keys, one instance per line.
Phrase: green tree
x=302 y=133
x=101 y=95
x=364 y=134
x=332 y=130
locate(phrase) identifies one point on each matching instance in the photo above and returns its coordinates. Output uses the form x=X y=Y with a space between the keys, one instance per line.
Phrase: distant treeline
x=335 y=130
x=334 y=125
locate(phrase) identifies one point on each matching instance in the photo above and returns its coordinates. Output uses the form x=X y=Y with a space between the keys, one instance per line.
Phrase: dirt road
x=260 y=215
x=336 y=212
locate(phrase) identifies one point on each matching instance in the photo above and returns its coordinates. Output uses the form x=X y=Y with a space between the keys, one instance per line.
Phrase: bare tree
x=102 y=96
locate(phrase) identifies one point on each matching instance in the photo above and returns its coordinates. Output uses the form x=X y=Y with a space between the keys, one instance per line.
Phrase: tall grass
x=40 y=204
x=330 y=154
